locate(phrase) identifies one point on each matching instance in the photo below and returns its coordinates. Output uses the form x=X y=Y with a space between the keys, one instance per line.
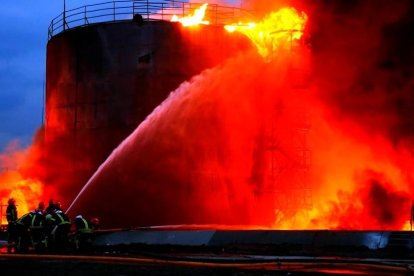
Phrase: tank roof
x=115 y=11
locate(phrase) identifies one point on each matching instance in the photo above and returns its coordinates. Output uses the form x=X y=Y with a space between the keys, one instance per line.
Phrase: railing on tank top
x=115 y=11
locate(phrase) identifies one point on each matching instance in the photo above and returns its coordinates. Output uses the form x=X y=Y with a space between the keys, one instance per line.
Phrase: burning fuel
x=192 y=20
x=16 y=183
x=279 y=29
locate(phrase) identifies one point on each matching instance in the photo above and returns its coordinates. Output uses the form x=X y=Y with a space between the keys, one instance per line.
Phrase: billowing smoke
x=363 y=64
x=359 y=104
x=363 y=59
x=203 y=155
x=20 y=177
x=44 y=170
x=374 y=199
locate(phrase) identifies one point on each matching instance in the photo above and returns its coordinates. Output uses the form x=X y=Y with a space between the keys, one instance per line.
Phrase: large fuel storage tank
x=104 y=78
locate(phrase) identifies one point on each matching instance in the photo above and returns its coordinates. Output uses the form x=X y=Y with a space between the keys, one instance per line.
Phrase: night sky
x=23 y=36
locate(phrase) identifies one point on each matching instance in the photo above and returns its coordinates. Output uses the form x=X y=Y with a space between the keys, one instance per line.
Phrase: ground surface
x=34 y=265
x=277 y=258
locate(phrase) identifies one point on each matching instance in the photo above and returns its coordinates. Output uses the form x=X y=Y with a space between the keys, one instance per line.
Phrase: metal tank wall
x=104 y=79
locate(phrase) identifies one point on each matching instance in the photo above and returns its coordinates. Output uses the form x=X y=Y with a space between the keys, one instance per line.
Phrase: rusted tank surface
x=104 y=79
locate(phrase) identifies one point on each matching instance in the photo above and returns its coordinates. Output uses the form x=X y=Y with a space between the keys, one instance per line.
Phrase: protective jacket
x=25 y=220
x=82 y=225
x=11 y=213
x=59 y=218
x=37 y=220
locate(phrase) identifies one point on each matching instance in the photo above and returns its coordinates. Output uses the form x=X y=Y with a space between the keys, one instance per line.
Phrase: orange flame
x=27 y=191
x=193 y=20
x=277 y=30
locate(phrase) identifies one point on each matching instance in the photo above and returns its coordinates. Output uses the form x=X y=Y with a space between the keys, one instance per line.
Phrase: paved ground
x=34 y=265
x=160 y=258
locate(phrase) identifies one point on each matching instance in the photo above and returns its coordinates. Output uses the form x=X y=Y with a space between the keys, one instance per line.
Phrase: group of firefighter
x=47 y=229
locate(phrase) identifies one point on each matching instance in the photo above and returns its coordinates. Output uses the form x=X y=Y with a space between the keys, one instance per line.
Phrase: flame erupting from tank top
x=279 y=29
x=192 y=20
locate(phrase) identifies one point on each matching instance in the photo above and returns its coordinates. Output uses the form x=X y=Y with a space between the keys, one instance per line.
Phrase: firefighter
x=40 y=208
x=51 y=207
x=60 y=224
x=95 y=225
x=58 y=207
x=37 y=229
x=22 y=233
x=11 y=214
x=83 y=234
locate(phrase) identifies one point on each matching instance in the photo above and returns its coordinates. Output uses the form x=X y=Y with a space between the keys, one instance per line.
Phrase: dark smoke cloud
x=381 y=202
x=376 y=204
x=364 y=57
x=384 y=204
